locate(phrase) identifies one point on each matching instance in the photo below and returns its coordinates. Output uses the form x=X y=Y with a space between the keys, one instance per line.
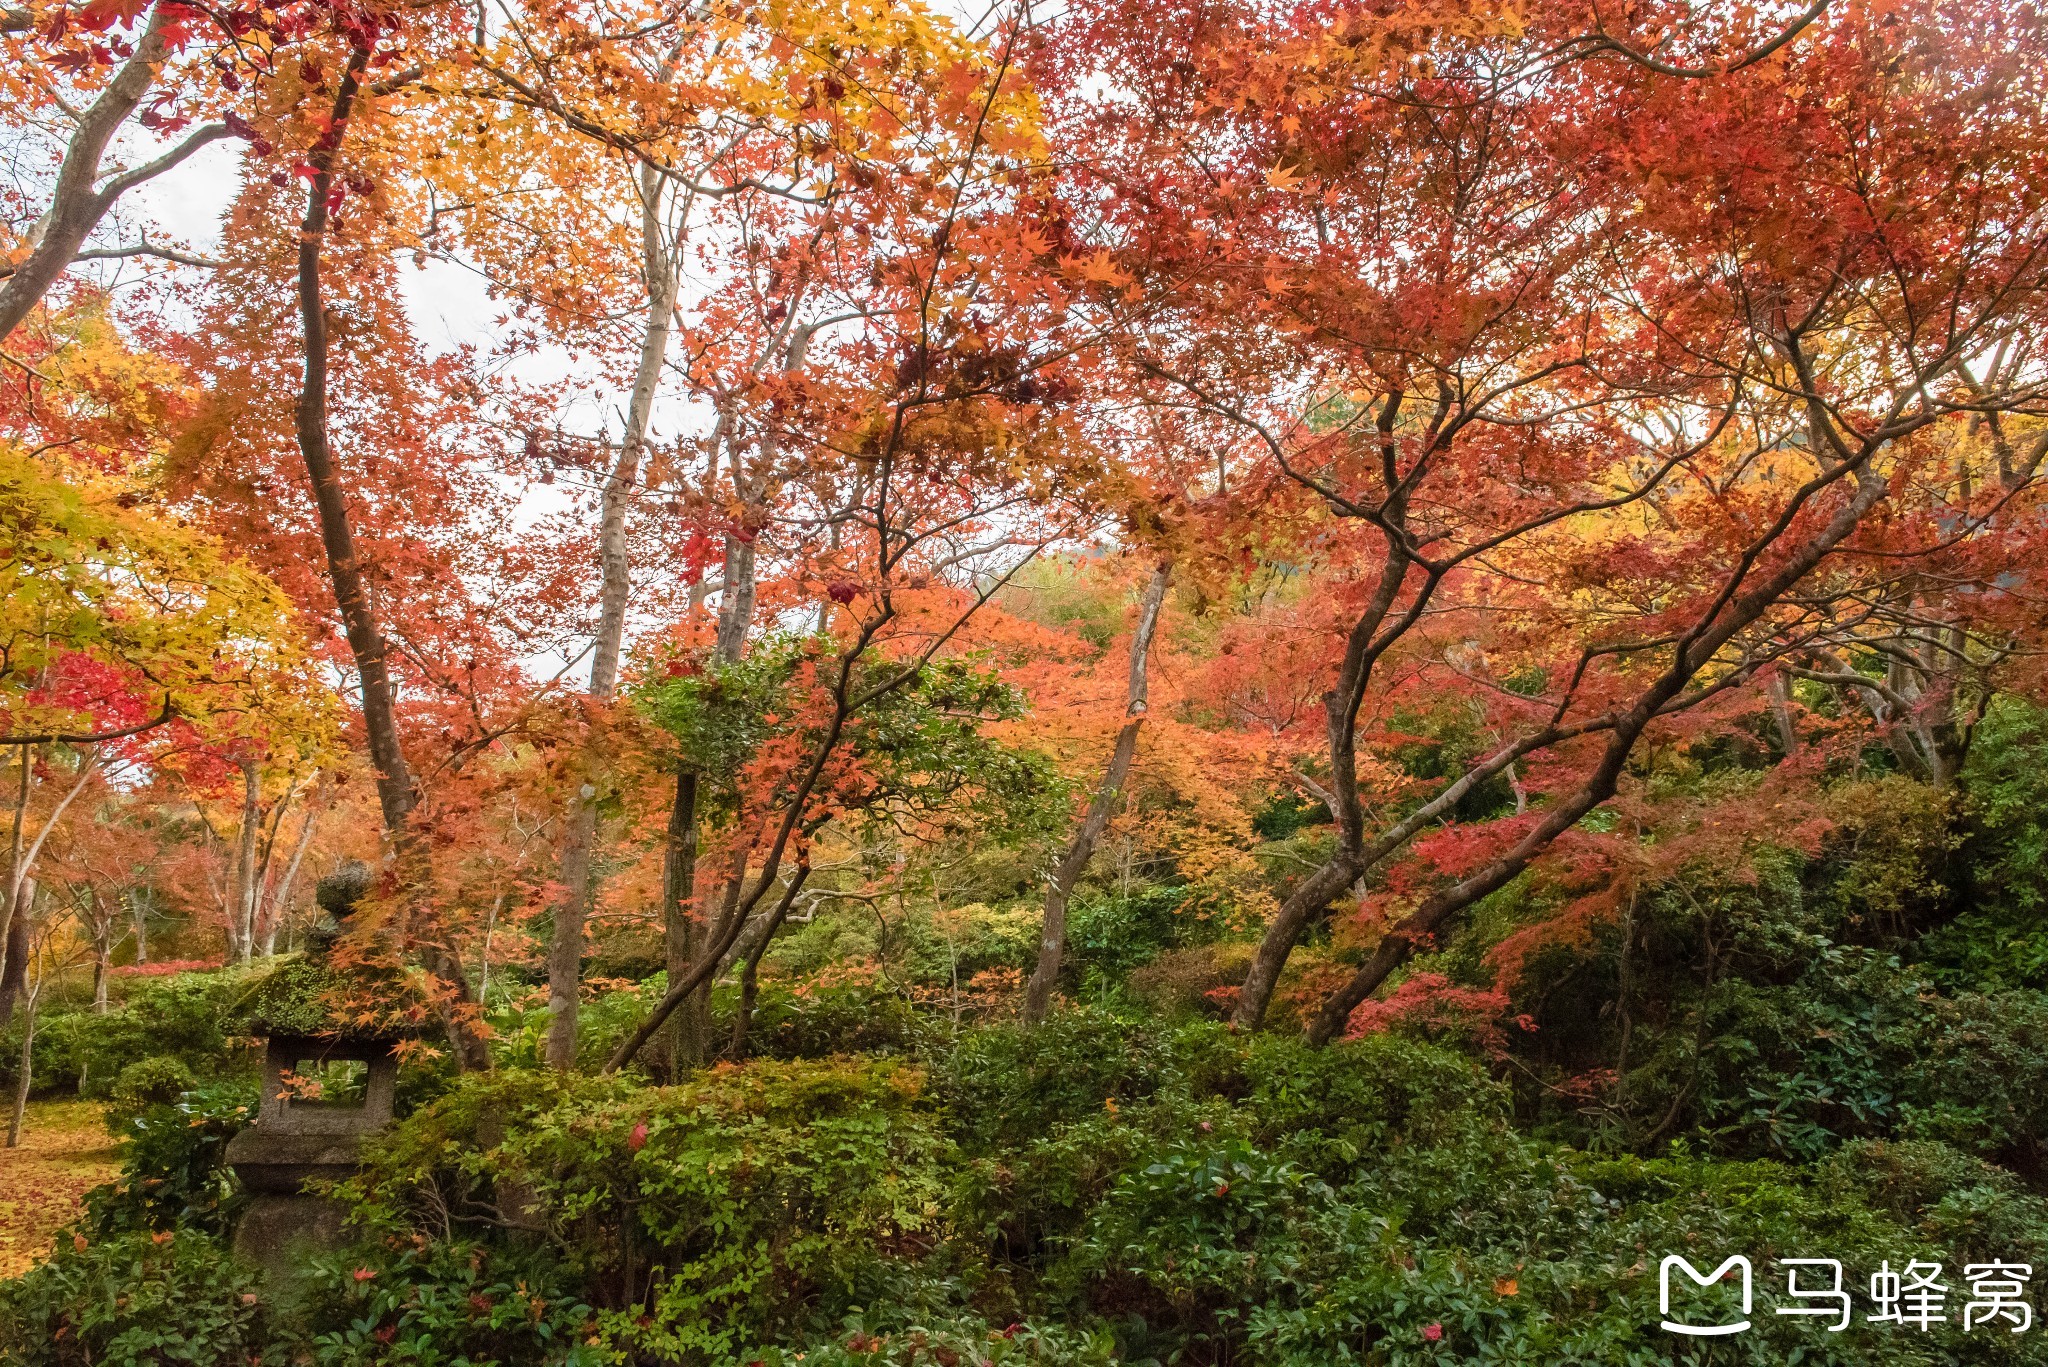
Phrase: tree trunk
x=565 y=949
x=565 y=942
x=138 y=909
x=280 y=902
x=242 y=930
x=1363 y=647
x=14 y=976
x=1781 y=713
x=687 y=1037
x=736 y=598
x=1303 y=907
x=102 y=960
x=1052 y=939
x=24 y=1078
x=688 y=1034
x=20 y=892
x=32 y=991
x=13 y=937
x=689 y=1028
x=743 y=1015
x=397 y=794
x=76 y=204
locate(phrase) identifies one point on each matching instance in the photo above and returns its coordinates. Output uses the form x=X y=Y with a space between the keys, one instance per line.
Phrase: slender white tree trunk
x=25 y=1078
x=565 y=950
x=280 y=901
x=13 y=975
x=242 y=922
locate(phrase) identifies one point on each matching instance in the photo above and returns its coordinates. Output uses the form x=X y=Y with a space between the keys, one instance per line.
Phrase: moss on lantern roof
x=312 y=995
x=295 y=998
x=307 y=995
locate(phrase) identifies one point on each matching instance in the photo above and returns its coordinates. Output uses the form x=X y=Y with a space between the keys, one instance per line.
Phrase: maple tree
x=1536 y=390
x=783 y=133
x=1502 y=352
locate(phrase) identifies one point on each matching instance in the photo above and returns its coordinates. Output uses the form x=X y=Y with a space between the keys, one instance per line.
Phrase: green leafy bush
x=148 y=1082
x=815 y=1019
x=953 y=944
x=174 y=1173
x=1999 y=939
x=1975 y=1211
x=1004 y=1086
x=886 y=1340
x=701 y=1217
x=1860 y=1046
x=1553 y=1260
x=449 y=1304
x=1108 y=936
x=1200 y=1224
x=162 y=1299
x=189 y=1018
x=602 y=1024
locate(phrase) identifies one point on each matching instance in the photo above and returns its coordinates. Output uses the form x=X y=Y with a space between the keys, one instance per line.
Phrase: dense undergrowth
x=1829 y=1048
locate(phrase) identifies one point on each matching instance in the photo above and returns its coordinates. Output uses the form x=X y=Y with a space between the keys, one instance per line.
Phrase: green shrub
x=1976 y=1074
x=701 y=1217
x=888 y=1341
x=1201 y=1223
x=149 y=1082
x=189 y=1018
x=953 y=944
x=1110 y=935
x=443 y=1305
x=1329 y=1109
x=519 y=1023
x=2000 y=939
x=1960 y=1203
x=1217 y=1199
x=1860 y=1046
x=1572 y=1277
x=167 y=1298
x=174 y=1173
x=1005 y=1086
x=603 y=1022
x=818 y=1019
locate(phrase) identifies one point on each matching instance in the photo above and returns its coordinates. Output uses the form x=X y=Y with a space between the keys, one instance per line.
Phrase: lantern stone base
x=280 y=1235
x=283 y=1225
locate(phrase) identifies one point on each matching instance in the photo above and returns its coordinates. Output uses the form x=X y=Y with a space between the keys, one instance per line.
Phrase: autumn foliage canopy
x=642 y=479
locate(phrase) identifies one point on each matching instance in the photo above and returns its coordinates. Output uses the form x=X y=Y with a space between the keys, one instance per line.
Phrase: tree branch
x=96 y=737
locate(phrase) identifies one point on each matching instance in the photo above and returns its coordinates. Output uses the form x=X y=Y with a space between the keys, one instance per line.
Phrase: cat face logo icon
x=1702 y=1330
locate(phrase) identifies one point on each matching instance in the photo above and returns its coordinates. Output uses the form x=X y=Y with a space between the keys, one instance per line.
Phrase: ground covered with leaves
x=65 y=1151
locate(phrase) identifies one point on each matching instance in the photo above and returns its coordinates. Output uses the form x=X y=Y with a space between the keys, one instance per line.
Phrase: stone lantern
x=326 y=1087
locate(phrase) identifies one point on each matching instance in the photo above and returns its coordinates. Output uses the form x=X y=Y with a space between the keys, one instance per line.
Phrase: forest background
x=1207 y=682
